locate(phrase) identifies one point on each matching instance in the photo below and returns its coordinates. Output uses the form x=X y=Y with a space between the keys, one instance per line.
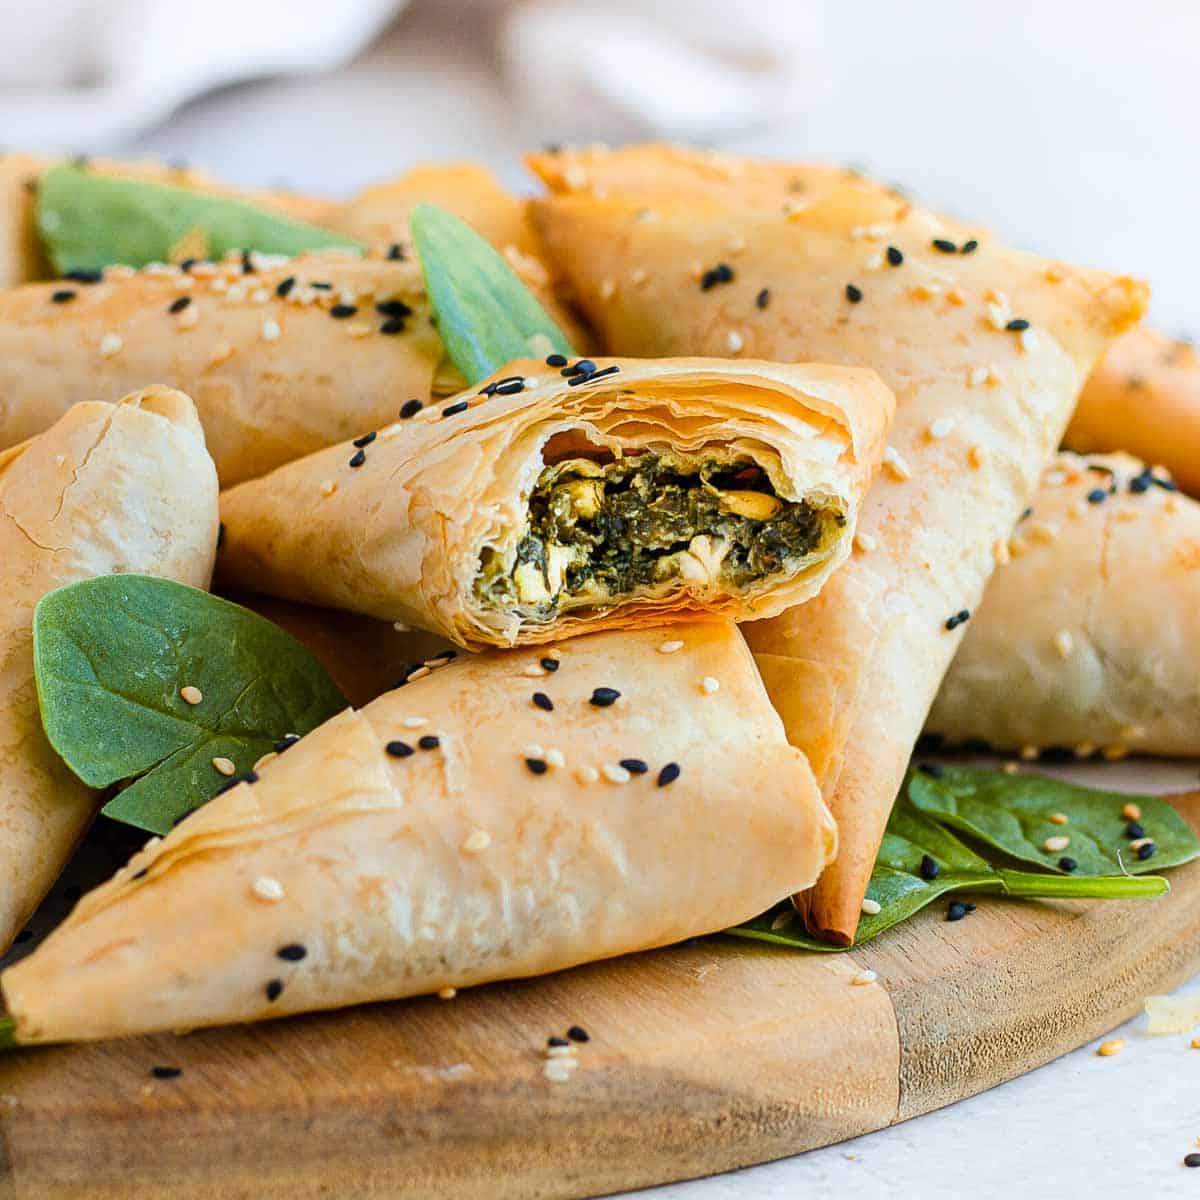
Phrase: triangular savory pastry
x=985 y=347
x=558 y=499
x=1087 y=638
x=455 y=831
x=108 y=489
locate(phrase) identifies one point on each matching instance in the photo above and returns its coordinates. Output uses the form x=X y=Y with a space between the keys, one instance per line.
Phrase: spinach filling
x=598 y=532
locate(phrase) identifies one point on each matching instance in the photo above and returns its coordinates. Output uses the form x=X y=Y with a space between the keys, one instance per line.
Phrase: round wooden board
x=702 y=1058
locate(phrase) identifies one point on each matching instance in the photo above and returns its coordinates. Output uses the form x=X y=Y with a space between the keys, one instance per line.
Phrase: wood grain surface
x=702 y=1058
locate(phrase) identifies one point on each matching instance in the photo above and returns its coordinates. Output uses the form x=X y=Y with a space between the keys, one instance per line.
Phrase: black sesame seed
x=429 y=742
x=945 y=246
x=635 y=766
x=396 y=252
x=556 y=360
x=577 y=1033
x=763 y=298
x=179 y=304
x=960 y=618
x=274 y=989
x=286 y=742
x=721 y=273
x=557 y=1041
x=1097 y=496
x=1165 y=484
x=584 y=365
x=1017 y=325
x=929 y=869
x=63 y=295
x=543 y=701
x=536 y=765
x=341 y=311
x=668 y=774
x=853 y=293
x=393 y=308
x=445 y=654
x=250 y=777
x=509 y=387
x=1148 y=850
x=956 y=911
x=969 y=246
x=602 y=697
x=410 y=408
x=360 y=457
x=166 y=1072
x=247 y=263
x=83 y=275
x=398 y=749
x=285 y=285
x=1026 y=514
x=1191 y=1160
x=292 y=952
x=549 y=664
x=1134 y=830
x=187 y=265
x=455 y=409
x=894 y=256
x=321 y=285
x=220 y=534
x=392 y=325
x=592 y=375
x=1067 y=863
x=1141 y=483
x=933 y=770
x=365 y=440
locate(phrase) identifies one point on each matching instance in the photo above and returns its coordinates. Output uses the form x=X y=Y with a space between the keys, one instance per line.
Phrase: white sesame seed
x=1064 y=643
x=267 y=889
x=894 y=462
x=555 y=758
x=638 y=276
x=615 y=773
x=1053 y=845
x=189 y=318
x=708 y=685
x=236 y=293
x=941 y=428
x=260 y=296
x=1042 y=531
x=415 y=722
x=533 y=750
x=111 y=344
x=220 y=352
x=587 y=775
x=976 y=456
x=59 y=459
x=734 y=341
x=477 y=840
x=558 y=1070
x=671 y=646
x=1027 y=338
x=978 y=376
x=358 y=329
x=193 y=695
x=865 y=542
x=575 y=177
x=863 y=978
x=225 y=765
x=874 y=263
x=328 y=487
x=1138 y=843
x=534 y=670
x=871 y=907
x=608 y=289
x=559 y=1052
x=271 y=331
x=419 y=673
x=447 y=993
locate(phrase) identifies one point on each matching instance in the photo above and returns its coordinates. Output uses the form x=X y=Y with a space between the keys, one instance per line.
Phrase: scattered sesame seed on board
x=871 y=907
x=447 y=993
x=1111 y=1047
x=863 y=978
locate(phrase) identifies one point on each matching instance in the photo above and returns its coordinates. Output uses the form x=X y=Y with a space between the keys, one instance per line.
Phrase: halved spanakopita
x=672 y=251
x=557 y=499
x=492 y=820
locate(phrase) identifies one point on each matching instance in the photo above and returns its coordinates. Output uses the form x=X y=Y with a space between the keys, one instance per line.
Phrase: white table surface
x=1070 y=127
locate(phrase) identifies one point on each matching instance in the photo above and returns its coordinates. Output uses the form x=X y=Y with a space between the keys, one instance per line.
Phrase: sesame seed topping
x=734 y=341
x=864 y=542
x=292 y=952
x=454 y=409
x=1064 y=643
x=615 y=773
x=225 y=766
x=853 y=293
x=863 y=978
x=84 y=276
x=959 y=618
x=429 y=741
x=476 y=841
x=1146 y=850
x=944 y=245
x=267 y=889
x=1132 y=812
x=671 y=646
x=587 y=775
x=358 y=458
x=63 y=295
x=111 y=344
x=274 y=990
x=341 y=311
x=365 y=440
x=969 y=246
x=578 y=1034
x=1017 y=325
x=603 y=697
x=536 y=765
x=398 y=749
x=549 y=664
x=941 y=428
x=708 y=685
x=542 y=701
x=193 y=695
x=1135 y=829
x=668 y=774
x=721 y=273
x=894 y=256
x=589 y=377
x=763 y=298
x=328 y=487
x=895 y=464
x=555 y=758
x=166 y=1072
x=871 y=907
x=1053 y=845
x=271 y=331
x=635 y=766
x=410 y=408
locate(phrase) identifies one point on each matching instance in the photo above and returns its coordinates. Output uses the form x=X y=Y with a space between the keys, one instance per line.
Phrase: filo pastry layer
x=542 y=506
x=985 y=347
x=108 y=489
x=514 y=846
x=1088 y=638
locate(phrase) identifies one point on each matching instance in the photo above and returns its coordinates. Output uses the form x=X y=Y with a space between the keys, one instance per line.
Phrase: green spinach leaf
x=89 y=221
x=111 y=657
x=486 y=316
x=1011 y=814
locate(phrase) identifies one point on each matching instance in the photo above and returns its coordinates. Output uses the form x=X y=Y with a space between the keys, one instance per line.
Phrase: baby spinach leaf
x=901 y=888
x=111 y=656
x=486 y=316
x=1011 y=813
x=89 y=221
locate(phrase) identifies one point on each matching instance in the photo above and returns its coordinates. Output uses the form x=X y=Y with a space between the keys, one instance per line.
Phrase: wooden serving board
x=702 y=1058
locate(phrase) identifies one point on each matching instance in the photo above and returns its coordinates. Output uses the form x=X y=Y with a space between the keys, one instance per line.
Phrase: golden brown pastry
x=547 y=504
x=1087 y=638
x=108 y=489
x=985 y=347
x=511 y=840
x=1144 y=398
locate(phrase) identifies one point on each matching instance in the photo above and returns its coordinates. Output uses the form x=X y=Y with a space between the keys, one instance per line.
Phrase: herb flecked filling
x=599 y=532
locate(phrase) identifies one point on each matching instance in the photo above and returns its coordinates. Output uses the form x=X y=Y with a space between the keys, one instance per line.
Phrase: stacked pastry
x=595 y=528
